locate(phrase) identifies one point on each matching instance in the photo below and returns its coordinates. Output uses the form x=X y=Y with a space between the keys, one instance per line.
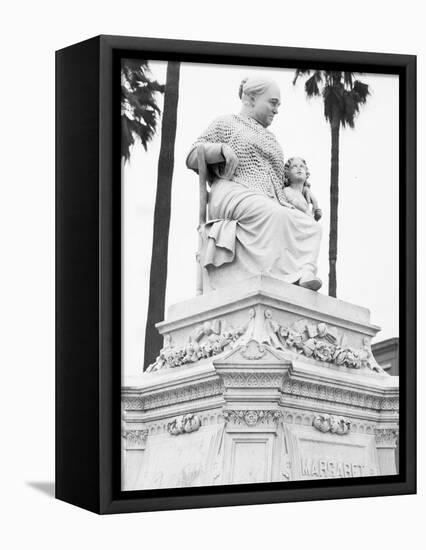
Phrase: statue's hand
x=317 y=214
x=231 y=161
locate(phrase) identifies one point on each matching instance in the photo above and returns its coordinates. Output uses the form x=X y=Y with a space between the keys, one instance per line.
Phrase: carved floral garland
x=319 y=342
x=217 y=335
x=316 y=341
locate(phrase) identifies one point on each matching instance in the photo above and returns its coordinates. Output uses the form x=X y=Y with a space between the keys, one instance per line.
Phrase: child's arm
x=310 y=198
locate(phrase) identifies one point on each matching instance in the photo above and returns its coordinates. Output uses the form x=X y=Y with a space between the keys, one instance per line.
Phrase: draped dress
x=252 y=228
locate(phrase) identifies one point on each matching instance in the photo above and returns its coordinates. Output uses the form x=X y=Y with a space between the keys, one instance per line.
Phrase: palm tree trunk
x=334 y=202
x=158 y=275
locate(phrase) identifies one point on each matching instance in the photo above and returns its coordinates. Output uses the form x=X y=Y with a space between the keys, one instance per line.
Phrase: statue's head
x=261 y=98
x=295 y=170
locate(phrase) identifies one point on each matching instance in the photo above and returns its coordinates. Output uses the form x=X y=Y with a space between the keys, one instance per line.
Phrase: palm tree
x=158 y=276
x=139 y=117
x=343 y=97
x=139 y=110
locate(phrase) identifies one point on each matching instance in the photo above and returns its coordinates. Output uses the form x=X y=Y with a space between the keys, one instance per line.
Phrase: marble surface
x=260 y=409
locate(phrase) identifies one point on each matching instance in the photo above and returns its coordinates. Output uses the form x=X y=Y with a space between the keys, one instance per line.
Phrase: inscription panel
x=324 y=467
x=316 y=455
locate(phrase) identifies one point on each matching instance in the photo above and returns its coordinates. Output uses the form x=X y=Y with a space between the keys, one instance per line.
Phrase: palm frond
x=333 y=101
x=318 y=76
x=311 y=86
x=342 y=94
x=362 y=90
x=348 y=78
x=127 y=139
x=336 y=77
x=139 y=109
x=299 y=72
x=350 y=109
x=353 y=101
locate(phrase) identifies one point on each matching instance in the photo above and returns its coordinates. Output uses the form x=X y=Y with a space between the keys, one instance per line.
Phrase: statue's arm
x=214 y=139
x=311 y=198
x=213 y=153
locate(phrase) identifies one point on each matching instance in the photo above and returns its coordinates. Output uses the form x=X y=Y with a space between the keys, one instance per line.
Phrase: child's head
x=295 y=170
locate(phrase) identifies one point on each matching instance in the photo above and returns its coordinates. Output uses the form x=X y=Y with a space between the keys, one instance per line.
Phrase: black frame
x=88 y=271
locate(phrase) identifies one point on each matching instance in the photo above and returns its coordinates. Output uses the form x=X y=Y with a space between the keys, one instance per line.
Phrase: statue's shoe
x=310 y=281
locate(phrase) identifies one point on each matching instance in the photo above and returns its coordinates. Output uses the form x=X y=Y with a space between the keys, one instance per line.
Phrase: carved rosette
x=330 y=423
x=253 y=350
x=134 y=439
x=184 y=424
x=252 y=417
x=386 y=436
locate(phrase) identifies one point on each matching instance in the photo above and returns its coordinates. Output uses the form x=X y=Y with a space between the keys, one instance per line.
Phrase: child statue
x=297 y=188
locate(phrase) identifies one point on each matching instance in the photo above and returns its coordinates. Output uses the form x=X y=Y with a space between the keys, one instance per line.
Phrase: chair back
x=202 y=213
x=203 y=178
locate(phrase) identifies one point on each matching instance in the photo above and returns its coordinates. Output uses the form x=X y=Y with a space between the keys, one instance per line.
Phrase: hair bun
x=241 y=88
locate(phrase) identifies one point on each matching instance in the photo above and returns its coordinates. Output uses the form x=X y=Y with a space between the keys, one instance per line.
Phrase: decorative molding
x=252 y=379
x=207 y=340
x=304 y=418
x=185 y=423
x=182 y=394
x=132 y=404
x=323 y=392
x=386 y=436
x=390 y=404
x=330 y=423
x=297 y=389
x=252 y=417
x=320 y=342
x=134 y=439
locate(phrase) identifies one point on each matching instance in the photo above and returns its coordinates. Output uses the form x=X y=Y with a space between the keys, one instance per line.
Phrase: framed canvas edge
x=249 y=52
x=76 y=259
x=111 y=499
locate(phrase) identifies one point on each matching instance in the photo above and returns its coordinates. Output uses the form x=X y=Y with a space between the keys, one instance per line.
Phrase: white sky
x=367 y=262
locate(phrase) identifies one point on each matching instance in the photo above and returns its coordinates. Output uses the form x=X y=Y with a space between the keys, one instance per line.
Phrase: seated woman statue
x=254 y=227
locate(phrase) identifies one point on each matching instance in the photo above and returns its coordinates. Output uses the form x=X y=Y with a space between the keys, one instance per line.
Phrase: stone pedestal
x=265 y=381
